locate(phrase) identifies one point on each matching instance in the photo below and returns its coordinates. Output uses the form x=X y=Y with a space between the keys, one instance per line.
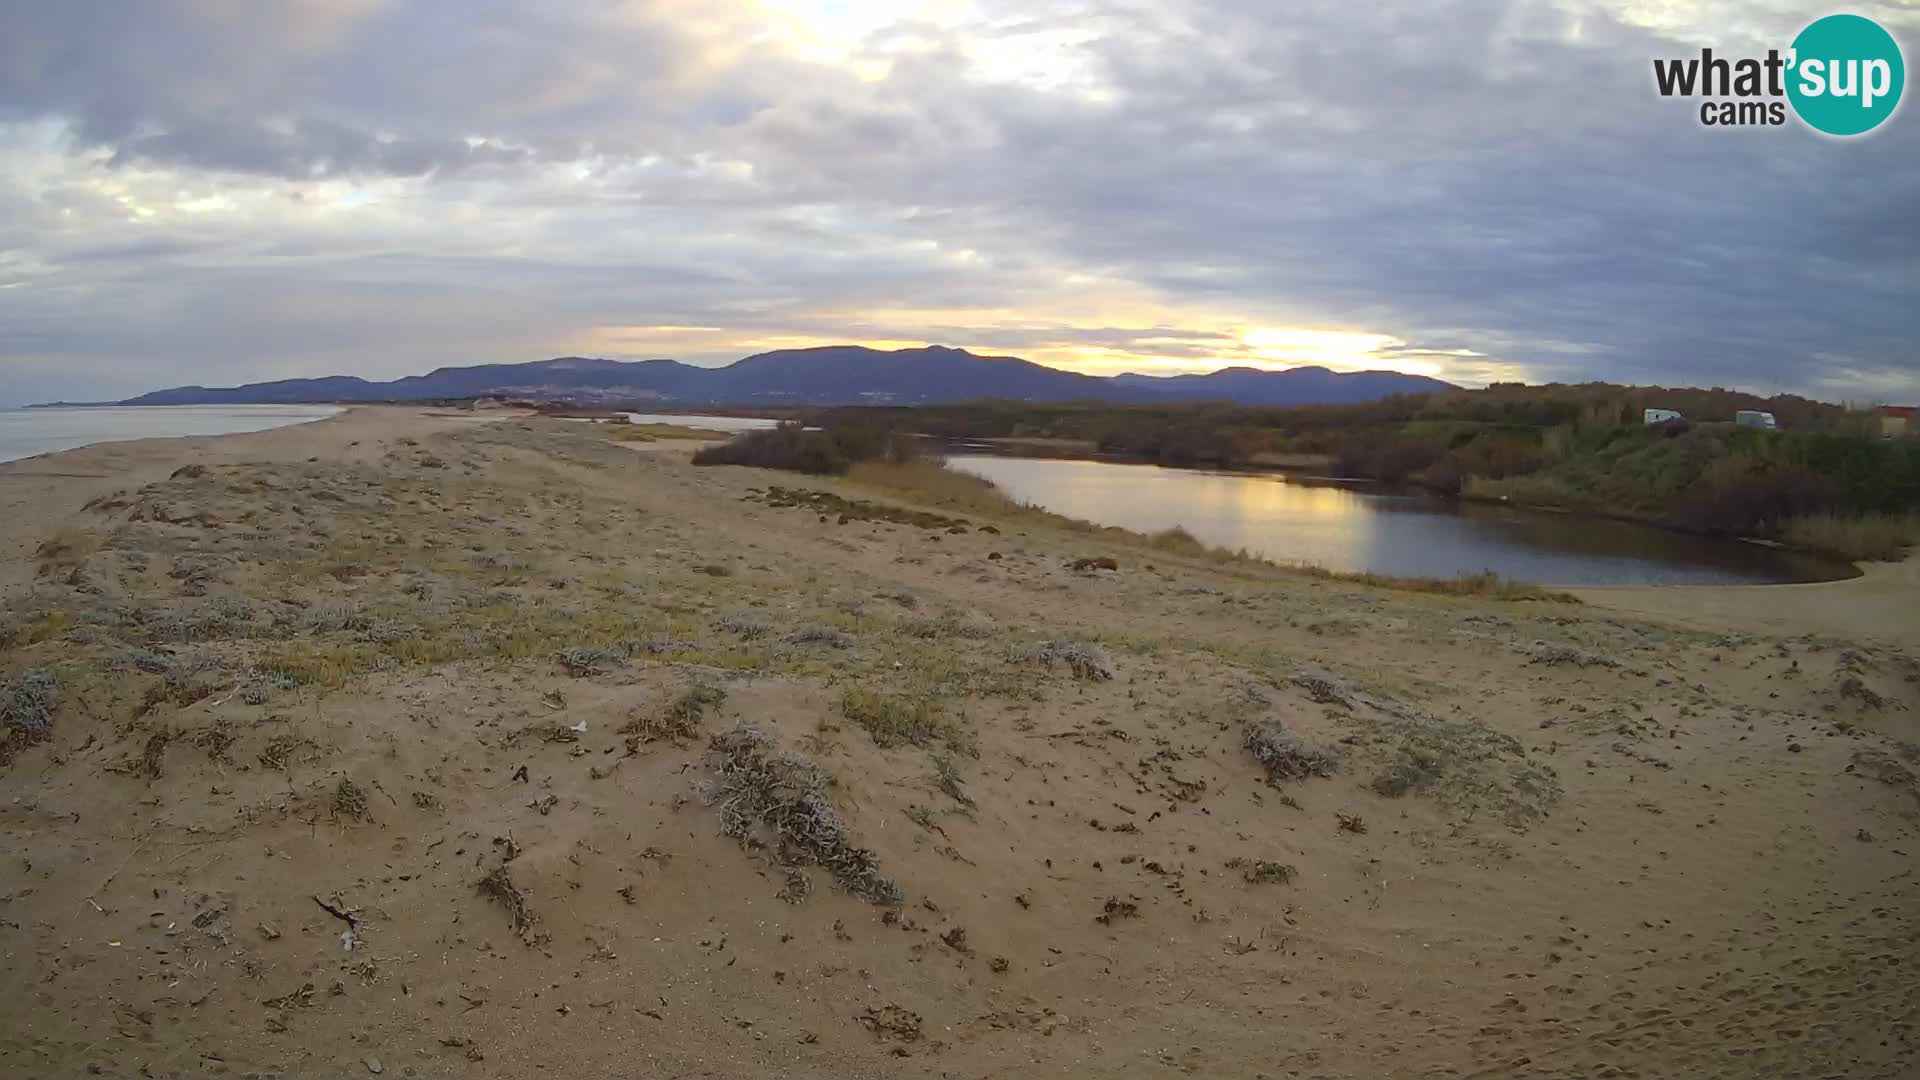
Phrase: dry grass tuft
x=149 y=661
x=216 y=740
x=1853 y=688
x=280 y=750
x=931 y=482
x=797 y=888
x=1285 y=756
x=1324 y=688
x=1116 y=909
x=950 y=624
x=582 y=661
x=1485 y=585
x=891 y=1022
x=646 y=433
x=1466 y=765
x=1857 y=538
x=1553 y=655
x=1887 y=769
x=1411 y=773
x=678 y=721
x=1262 y=872
x=350 y=801
x=749 y=625
x=1087 y=661
x=768 y=797
x=820 y=635
x=26 y=705
x=947 y=774
x=893 y=721
x=153 y=756
x=66 y=550
x=328 y=619
x=215 y=619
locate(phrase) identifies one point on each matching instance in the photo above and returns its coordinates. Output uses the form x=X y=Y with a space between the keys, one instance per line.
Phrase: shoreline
x=111 y=440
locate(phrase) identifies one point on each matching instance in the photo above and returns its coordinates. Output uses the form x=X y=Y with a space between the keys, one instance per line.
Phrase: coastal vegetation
x=1823 y=481
x=829 y=452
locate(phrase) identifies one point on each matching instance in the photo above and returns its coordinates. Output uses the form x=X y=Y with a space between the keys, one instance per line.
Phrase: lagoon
x=1357 y=527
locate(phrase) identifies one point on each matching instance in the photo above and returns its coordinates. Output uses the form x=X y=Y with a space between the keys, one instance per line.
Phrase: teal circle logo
x=1846 y=75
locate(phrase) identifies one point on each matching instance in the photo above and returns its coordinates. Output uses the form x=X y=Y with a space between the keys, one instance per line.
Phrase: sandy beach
x=1882 y=604
x=402 y=744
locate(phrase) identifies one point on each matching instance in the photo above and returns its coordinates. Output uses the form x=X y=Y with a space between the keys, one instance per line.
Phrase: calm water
x=729 y=424
x=1344 y=528
x=732 y=425
x=26 y=432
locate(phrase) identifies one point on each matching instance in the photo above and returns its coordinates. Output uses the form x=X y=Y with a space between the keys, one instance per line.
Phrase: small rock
x=374 y=1066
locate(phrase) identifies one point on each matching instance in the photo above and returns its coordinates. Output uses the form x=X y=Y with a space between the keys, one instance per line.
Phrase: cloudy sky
x=218 y=191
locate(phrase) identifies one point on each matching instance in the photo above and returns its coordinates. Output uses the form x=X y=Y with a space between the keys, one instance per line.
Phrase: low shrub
x=1285 y=756
x=818 y=452
x=822 y=635
x=26 y=705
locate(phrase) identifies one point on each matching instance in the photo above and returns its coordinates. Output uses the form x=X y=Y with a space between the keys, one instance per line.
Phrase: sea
x=26 y=433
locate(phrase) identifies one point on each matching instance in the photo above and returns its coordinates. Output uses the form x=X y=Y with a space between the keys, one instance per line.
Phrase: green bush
x=818 y=452
x=788 y=447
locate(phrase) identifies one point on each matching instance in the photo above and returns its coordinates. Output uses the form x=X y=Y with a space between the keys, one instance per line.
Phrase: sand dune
x=397 y=744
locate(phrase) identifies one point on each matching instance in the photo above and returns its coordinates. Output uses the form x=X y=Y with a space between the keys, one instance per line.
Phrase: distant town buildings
x=1898 y=420
x=1747 y=418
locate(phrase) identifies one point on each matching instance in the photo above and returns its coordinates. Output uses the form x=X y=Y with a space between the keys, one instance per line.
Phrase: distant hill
x=832 y=375
x=1294 y=386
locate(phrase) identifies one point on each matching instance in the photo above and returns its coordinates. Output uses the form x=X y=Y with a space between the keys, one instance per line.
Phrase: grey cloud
x=1494 y=175
x=309 y=149
x=358 y=88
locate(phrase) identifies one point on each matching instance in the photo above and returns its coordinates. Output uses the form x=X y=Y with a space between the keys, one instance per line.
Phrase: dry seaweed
x=500 y=886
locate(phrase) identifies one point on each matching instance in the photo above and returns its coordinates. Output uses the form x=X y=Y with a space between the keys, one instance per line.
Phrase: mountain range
x=832 y=375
